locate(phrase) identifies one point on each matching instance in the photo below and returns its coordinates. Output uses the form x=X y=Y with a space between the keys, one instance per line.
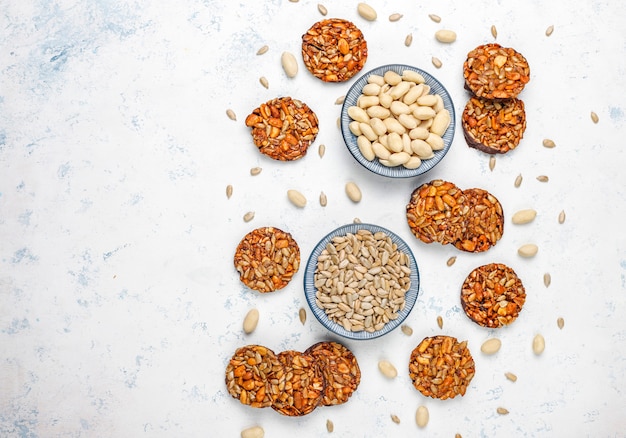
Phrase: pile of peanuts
x=397 y=120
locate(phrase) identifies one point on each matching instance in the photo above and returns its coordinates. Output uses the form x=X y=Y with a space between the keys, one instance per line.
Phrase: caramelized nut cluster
x=293 y=383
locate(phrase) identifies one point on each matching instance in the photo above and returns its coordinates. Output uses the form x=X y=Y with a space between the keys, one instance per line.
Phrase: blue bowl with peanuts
x=398 y=121
x=361 y=281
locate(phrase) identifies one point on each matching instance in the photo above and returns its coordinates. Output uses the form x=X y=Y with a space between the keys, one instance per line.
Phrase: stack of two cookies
x=494 y=118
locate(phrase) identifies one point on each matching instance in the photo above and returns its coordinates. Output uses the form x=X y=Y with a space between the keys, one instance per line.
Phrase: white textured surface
x=119 y=304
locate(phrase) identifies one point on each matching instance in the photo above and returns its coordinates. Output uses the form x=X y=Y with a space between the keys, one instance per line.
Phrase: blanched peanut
x=435 y=141
x=441 y=122
x=368 y=131
x=367 y=101
x=358 y=114
x=378 y=111
x=365 y=147
x=413 y=76
x=371 y=90
x=378 y=126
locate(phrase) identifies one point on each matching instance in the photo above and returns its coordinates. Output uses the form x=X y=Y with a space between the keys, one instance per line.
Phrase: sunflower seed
x=322 y=9
x=302 y=315
x=395 y=17
x=543 y=178
x=562 y=216
x=340 y=100
x=330 y=426
x=548 y=143
x=229 y=191
x=440 y=321
x=492 y=162
x=323 y=199
x=264 y=82
x=408 y=40
x=262 y=50
x=248 y=216
x=547 y=279
x=231 y=114
x=502 y=411
x=549 y=30
x=594 y=117
x=255 y=171
x=435 y=18
x=436 y=62
x=539 y=344
x=560 y=322
x=407 y=330
x=512 y=377
x=321 y=150
x=395 y=418
x=494 y=31
x=518 y=180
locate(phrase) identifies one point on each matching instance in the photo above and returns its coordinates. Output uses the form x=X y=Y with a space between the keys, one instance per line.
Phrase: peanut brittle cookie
x=492 y=295
x=255 y=376
x=433 y=212
x=283 y=128
x=494 y=127
x=483 y=221
x=340 y=370
x=304 y=384
x=267 y=258
x=441 y=367
x=495 y=72
x=334 y=50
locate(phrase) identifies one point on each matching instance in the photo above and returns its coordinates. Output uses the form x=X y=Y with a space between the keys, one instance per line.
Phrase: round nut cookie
x=283 y=128
x=255 y=376
x=495 y=72
x=492 y=295
x=267 y=259
x=494 y=127
x=483 y=221
x=441 y=367
x=334 y=50
x=304 y=384
x=340 y=370
x=434 y=212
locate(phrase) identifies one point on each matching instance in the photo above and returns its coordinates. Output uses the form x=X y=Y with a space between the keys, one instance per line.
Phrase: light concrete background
x=119 y=302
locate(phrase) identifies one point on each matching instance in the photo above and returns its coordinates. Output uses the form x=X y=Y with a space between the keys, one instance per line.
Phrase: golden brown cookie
x=340 y=370
x=495 y=72
x=434 y=214
x=267 y=258
x=255 y=376
x=304 y=384
x=493 y=295
x=483 y=221
x=283 y=128
x=334 y=50
x=494 y=127
x=441 y=367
